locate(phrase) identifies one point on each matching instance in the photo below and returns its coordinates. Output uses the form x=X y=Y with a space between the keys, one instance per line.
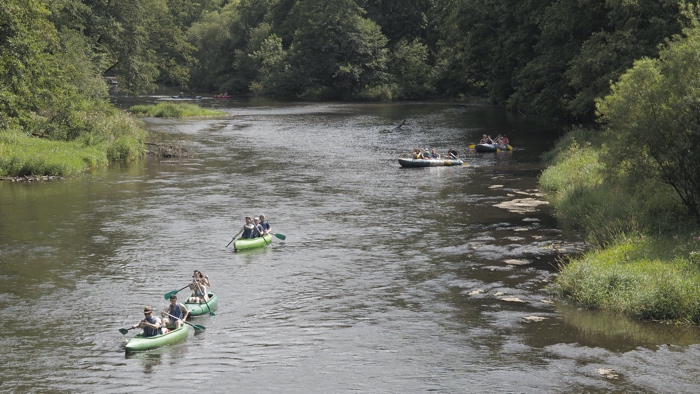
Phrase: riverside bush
x=174 y=110
x=647 y=261
x=627 y=278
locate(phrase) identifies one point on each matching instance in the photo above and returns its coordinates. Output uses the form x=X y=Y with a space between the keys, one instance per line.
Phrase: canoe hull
x=197 y=309
x=139 y=343
x=485 y=148
x=412 y=163
x=252 y=243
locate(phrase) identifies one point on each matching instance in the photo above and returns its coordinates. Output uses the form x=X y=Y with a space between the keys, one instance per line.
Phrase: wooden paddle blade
x=123 y=330
x=280 y=236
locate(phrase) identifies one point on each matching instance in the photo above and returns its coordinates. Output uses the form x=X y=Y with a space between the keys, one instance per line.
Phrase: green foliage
x=174 y=110
x=413 y=76
x=653 y=278
x=211 y=35
x=653 y=121
x=24 y=155
x=335 y=50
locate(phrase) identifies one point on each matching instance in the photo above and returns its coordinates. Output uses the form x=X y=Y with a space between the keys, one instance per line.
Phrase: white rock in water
x=608 y=373
x=534 y=318
x=517 y=262
x=512 y=299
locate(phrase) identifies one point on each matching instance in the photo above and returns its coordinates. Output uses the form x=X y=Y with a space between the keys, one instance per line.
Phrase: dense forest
x=550 y=58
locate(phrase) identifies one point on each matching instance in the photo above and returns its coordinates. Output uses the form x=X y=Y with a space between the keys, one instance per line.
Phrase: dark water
x=390 y=280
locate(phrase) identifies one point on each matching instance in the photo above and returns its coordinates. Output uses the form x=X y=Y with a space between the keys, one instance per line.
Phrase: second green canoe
x=252 y=243
x=145 y=343
x=197 y=309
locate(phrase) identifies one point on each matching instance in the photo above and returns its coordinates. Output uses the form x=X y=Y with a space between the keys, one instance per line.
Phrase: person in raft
x=247 y=230
x=452 y=153
x=151 y=325
x=486 y=139
x=265 y=225
x=199 y=288
x=175 y=313
x=257 y=228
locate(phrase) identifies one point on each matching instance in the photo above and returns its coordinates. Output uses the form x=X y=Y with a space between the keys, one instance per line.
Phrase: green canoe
x=252 y=243
x=197 y=309
x=144 y=343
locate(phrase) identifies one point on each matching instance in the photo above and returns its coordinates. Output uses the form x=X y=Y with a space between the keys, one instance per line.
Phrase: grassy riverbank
x=174 y=110
x=645 y=262
x=106 y=135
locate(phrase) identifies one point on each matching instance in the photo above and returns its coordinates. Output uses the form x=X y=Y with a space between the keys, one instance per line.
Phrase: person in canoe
x=257 y=228
x=486 y=139
x=452 y=153
x=151 y=325
x=247 y=230
x=199 y=288
x=265 y=225
x=177 y=311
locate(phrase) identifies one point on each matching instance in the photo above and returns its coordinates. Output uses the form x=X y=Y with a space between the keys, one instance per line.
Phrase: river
x=390 y=280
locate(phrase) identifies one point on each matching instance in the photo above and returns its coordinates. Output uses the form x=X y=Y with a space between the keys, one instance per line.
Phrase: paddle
x=280 y=236
x=168 y=294
x=196 y=326
x=231 y=241
x=125 y=330
x=472 y=146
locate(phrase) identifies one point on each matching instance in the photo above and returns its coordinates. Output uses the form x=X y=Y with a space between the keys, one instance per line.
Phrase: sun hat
x=147 y=309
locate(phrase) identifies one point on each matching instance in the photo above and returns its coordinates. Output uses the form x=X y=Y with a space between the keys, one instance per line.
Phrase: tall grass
x=174 y=110
x=624 y=278
x=111 y=135
x=646 y=262
x=24 y=155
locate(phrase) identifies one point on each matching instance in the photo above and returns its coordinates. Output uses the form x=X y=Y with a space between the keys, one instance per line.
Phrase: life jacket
x=247 y=232
x=177 y=312
x=151 y=332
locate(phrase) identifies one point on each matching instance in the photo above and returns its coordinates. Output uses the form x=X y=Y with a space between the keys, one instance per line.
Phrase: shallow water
x=390 y=280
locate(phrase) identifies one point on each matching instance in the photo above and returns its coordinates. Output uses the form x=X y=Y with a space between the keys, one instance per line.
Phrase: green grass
x=110 y=135
x=24 y=155
x=645 y=260
x=651 y=278
x=174 y=110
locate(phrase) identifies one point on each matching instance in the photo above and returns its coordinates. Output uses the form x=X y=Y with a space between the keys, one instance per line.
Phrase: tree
x=653 y=117
x=412 y=75
x=335 y=52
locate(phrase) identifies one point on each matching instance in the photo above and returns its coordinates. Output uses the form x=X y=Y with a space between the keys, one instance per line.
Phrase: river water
x=390 y=280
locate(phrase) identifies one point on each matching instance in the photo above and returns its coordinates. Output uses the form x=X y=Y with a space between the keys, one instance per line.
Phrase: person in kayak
x=175 y=313
x=265 y=225
x=199 y=288
x=151 y=325
x=257 y=228
x=247 y=230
